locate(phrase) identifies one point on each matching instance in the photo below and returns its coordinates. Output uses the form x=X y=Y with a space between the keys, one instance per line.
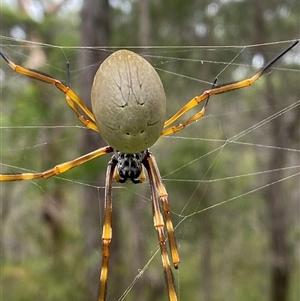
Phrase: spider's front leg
x=157 y=189
x=107 y=229
x=163 y=195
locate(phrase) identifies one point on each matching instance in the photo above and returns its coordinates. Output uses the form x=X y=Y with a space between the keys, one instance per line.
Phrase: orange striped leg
x=71 y=98
x=163 y=195
x=197 y=116
x=159 y=226
x=107 y=230
x=58 y=169
x=214 y=91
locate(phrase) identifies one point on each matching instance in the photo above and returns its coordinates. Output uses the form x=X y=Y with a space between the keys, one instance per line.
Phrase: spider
x=129 y=109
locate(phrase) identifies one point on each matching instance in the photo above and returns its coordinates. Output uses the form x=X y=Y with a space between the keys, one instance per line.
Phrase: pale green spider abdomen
x=129 y=102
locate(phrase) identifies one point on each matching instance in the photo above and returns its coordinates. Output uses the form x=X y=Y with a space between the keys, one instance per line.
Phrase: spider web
x=218 y=172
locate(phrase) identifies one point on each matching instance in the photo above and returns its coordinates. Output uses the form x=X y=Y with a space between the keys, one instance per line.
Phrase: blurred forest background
x=232 y=178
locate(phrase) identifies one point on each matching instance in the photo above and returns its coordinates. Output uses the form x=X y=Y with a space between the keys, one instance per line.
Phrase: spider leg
x=107 y=230
x=197 y=116
x=88 y=123
x=71 y=98
x=163 y=195
x=157 y=188
x=58 y=169
x=217 y=90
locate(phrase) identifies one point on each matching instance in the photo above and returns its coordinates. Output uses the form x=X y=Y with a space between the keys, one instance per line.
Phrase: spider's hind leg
x=215 y=91
x=176 y=128
x=72 y=99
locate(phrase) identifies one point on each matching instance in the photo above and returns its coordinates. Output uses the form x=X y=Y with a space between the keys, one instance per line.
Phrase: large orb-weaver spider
x=129 y=108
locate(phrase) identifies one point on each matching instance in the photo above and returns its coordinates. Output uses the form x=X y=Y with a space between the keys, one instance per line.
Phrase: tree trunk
x=207 y=250
x=144 y=23
x=277 y=207
x=94 y=32
x=274 y=194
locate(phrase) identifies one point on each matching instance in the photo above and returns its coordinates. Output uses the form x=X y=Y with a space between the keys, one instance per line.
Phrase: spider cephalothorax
x=129 y=166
